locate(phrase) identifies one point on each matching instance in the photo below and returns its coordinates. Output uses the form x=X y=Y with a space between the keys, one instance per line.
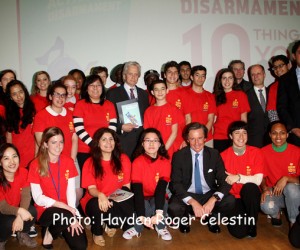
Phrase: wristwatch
x=217 y=197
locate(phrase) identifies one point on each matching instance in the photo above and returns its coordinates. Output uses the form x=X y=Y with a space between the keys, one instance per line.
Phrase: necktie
x=198 y=185
x=131 y=93
x=262 y=100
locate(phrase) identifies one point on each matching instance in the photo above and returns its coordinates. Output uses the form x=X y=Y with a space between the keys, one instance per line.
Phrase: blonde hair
x=35 y=89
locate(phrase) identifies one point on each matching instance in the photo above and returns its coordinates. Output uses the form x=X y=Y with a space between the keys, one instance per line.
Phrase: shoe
x=13 y=235
x=184 y=228
x=25 y=240
x=276 y=222
x=110 y=231
x=2 y=245
x=214 y=228
x=99 y=240
x=252 y=232
x=164 y=233
x=32 y=232
x=131 y=232
x=45 y=246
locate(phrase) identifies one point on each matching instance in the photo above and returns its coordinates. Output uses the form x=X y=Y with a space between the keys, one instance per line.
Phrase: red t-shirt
x=94 y=117
x=236 y=104
x=178 y=98
x=70 y=105
x=12 y=195
x=109 y=182
x=2 y=111
x=279 y=164
x=40 y=102
x=272 y=97
x=250 y=163
x=162 y=118
x=149 y=173
x=48 y=118
x=66 y=169
x=200 y=105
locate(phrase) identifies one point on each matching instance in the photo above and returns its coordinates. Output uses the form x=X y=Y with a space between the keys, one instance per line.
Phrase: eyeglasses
x=58 y=95
x=278 y=66
x=148 y=141
x=95 y=86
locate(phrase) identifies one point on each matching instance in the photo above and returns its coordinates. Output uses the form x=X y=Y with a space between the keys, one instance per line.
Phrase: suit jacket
x=182 y=171
x=128 y=140
x=288 y=102
x=245 y=85
x=257 y=120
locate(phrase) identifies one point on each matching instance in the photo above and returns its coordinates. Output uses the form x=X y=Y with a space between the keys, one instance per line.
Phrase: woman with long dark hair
x=16 y=213
x=150 y=176
x=106 y=171
x=19 y=117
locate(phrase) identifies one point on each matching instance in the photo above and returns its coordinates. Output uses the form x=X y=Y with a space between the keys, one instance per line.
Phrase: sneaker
x=25 y=240
x=13 y=235
x=131 y=232
x=32 y=232
x=164 y=233
x=276 y=222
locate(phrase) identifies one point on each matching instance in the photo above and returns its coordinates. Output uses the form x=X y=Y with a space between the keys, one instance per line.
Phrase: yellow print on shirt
x=156 y=177
x=248 y=170
x=107 y=116
x=292 y=169
x=178 y=104
x=205 y=106
x=235 y=103
x=169 y=120
x=67 y=174
x=120 y=176
x=71 y=127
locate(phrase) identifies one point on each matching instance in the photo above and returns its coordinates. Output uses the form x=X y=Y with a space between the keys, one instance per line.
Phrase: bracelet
x=239 y=179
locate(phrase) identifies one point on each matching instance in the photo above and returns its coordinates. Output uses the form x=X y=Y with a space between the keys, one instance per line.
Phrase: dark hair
x=183 y=63
x=162 y=152
x=196 y=68
x=157 y=82
x=237 y=125
x=230 y=65
x=193 y=126
x=3 y=129
x=53 y=87
x=171 y=64
x=295 y=46
x=84 y=90
x=3 y=72
x=271 y=124
x=13 y=116
x=219 y=92
x=4 y=183
x=282 y=58
x=96 y=153
x=98 y=69
x=73 y=71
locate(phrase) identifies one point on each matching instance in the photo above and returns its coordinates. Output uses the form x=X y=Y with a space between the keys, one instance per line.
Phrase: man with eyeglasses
x=288 y=98
x=198 y=182
x=280 y=65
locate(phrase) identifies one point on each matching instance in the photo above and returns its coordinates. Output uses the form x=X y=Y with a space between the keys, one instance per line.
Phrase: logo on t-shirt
x=235 y=103
x=71 y=127
x=156 y=177
x=178 y=104
x=292 y=168
x=168 y=120
x=248 y=170
x=205 y=106
x=67 y=174
x=120 y=176
x=107 y=116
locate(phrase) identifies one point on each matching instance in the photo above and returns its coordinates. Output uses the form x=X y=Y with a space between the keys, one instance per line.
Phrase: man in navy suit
x=202 y=192
x=288 y=98
x=129 y=133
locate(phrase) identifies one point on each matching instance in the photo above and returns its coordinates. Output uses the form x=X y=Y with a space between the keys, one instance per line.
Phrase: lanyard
x=57 y=188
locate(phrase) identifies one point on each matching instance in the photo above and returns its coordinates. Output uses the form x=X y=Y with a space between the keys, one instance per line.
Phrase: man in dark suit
x=238 y=68
x=288 y=98
x=198 y=181
x=129 y=133
x=257 y=118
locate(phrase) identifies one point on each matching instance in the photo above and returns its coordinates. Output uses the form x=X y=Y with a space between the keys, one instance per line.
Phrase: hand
x=103 y=202
x=18 y=224
x=75 y=227
x=232 y=178
x=24 y=214
x=157 y=218
x=264 y=194
x=147 y=222
x=197 y=208
x=280 y=185
x=209 y=205
x=128 y=127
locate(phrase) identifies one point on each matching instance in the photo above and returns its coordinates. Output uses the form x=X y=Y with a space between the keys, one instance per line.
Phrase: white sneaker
x=131 y=232
x=32 y=232
x=164 y=233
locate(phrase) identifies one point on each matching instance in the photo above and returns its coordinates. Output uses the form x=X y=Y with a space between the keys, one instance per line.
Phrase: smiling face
x=58 y=99
x=151 y=144
x=280 y=68
x=227 y=81
x=54 y=146
x=257 y=76
x=239 y=138
x=278 y=134
x=172 y=75
x=17 y=94
x=131 y=77
x=107 y=143
x=185 y=72
x=10 y=161
x=199 y=78
x=42 y=82
x=6 y=78
x=159 y=91
x=196 y=139
x=71 y=87
x=94 y=91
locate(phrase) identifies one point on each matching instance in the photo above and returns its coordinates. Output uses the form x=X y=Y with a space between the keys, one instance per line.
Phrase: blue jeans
x=290 y=198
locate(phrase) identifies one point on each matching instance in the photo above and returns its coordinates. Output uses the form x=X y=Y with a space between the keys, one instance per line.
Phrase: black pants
x=60 y=226
x=120 y=210
x=177 y=208
x=246 y=208
x=295 y=232
x=6 y=222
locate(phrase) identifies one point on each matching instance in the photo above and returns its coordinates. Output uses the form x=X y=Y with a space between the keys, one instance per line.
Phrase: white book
x=120 y=195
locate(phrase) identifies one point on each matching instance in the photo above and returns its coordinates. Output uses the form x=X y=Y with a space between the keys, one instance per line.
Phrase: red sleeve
x=38 y=122
x=212 y=108
x=126 y=168
x=33 y=175
x=112 y=110
x=136 y=171
x=2 y=111
x=88 y=177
